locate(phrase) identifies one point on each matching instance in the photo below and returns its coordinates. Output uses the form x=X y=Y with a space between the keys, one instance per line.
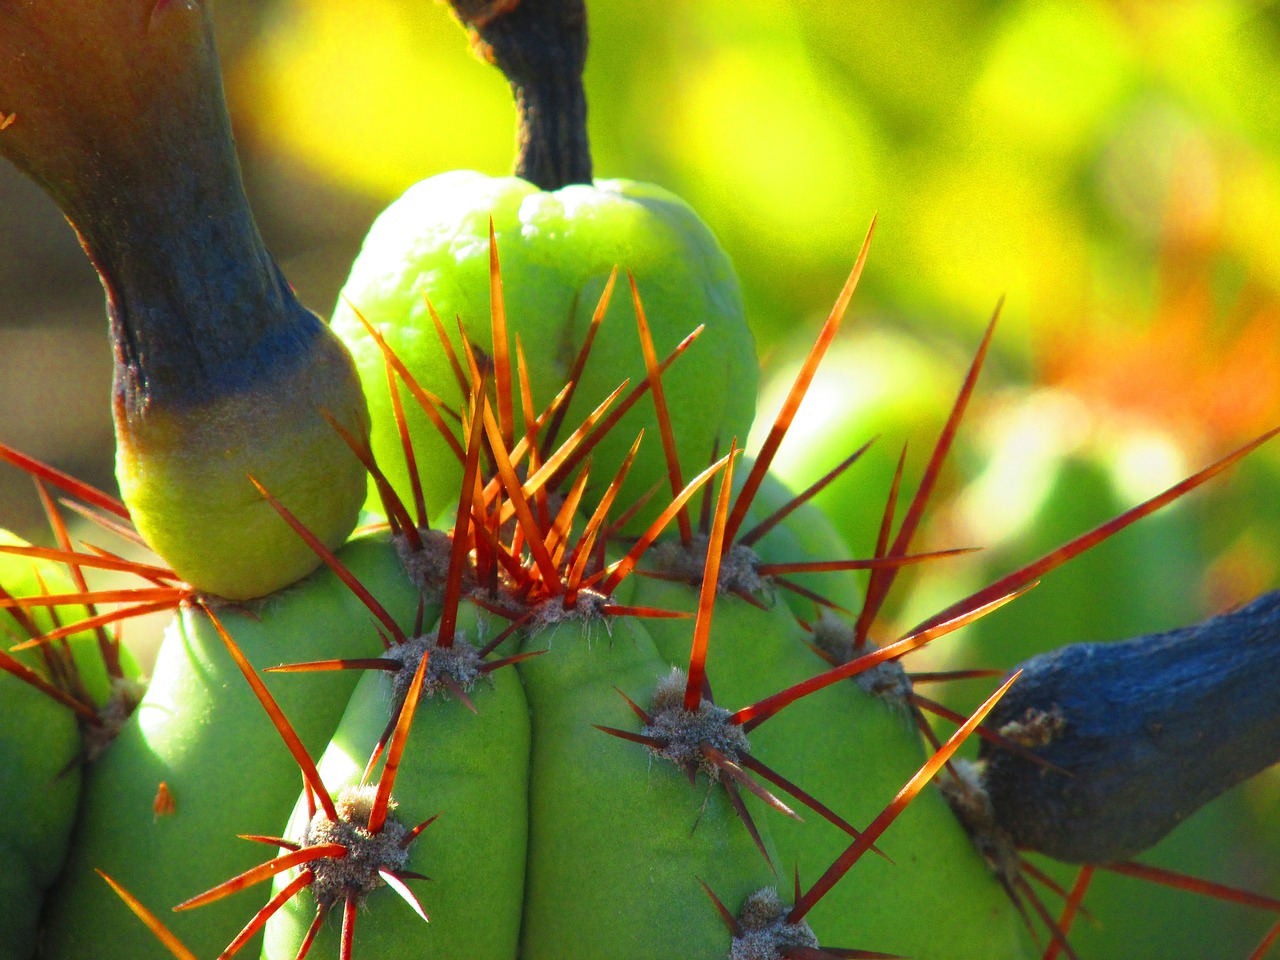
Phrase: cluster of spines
x=535 y=580
x=539 y=565
x=165 y=590
x=61 y=678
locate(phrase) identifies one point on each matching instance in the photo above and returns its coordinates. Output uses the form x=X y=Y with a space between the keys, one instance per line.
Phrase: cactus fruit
x=428 y=253
x=219 y=371
x=591 y=719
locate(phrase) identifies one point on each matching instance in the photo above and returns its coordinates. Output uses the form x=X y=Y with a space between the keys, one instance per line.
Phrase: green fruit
x=218 y=370
x=557 y=251
x=184 y=470
x=555 y=839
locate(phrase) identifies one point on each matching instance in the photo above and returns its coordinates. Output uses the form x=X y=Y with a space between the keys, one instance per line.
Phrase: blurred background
x=1111 y=168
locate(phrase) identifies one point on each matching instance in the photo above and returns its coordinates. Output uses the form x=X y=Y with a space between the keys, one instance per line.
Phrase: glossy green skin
x=852 y=753
x=184 y=471
x=557 y=250
x=940 y=857
x=614 y=855
x=202 y=731
x=472 y=770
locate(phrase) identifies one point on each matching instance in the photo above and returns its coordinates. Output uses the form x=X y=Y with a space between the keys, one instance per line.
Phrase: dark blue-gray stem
x=541 y=48
x=198 y=307
x=119 y=114
x=1149 y=729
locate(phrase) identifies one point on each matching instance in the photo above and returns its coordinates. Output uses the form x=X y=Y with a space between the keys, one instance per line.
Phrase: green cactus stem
x=849 y=751
x=641 y=898
x=116 y=110
x=563 y=237
x=197 y=722
x=469 y=766
x=39 y=772
x=63 y=702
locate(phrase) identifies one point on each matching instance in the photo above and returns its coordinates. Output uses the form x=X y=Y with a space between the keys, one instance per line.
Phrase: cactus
x=611 y=710
x=74 y=693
